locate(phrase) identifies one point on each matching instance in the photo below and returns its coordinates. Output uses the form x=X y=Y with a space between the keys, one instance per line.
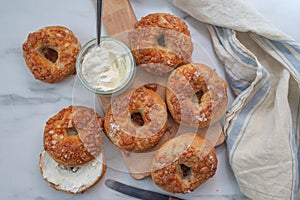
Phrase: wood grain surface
x=118 y=16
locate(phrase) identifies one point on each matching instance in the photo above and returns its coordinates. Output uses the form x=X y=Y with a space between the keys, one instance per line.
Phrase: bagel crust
x=160 y=43
x=74 y=136
x=50 y=53
x=196 y=96
x=137 y=120
x=183 y=163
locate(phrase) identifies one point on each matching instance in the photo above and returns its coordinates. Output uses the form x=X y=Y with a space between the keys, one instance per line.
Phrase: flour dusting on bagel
x=196 y=95
x=137 y=120
x=184 y=163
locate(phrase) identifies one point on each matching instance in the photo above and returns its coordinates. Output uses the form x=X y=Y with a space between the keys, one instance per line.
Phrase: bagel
x=137 y=120
x=196 y=96
x=50 y=53
x=74 y=136
x=73 y=159
x=72 y=180
x=160 y=43
x=183 y=163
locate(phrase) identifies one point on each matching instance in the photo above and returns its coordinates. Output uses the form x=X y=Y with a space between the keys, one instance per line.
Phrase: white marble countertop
x=26 y=103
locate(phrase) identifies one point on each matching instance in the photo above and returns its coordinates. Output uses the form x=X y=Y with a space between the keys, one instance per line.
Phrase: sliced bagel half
x=72 y=179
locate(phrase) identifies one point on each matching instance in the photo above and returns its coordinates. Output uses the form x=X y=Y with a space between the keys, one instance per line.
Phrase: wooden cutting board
x=118 y=18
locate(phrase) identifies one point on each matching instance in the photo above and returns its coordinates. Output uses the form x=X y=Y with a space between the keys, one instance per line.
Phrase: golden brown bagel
x=74 y=136
x=183 y=163
x=196 y=96
x=50 y=53
x=160 y=43
x=136 y=120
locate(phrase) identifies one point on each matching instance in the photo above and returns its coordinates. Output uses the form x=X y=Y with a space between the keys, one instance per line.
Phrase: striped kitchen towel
x=262 y=65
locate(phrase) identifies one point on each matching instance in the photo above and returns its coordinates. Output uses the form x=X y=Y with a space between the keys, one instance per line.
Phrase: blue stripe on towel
x=238 y=83
x=244 y=92
x=285 y=56
x=292 y=58
x=225 y=37
x=219 y=34
x=236 y=77
x=248 y=108
x=243 y=56
x=295 y=47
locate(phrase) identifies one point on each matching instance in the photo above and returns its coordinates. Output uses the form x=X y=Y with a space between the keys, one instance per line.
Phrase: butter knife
x=137 y=192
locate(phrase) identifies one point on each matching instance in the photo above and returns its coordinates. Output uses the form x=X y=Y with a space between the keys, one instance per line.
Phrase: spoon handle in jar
x=99 y=18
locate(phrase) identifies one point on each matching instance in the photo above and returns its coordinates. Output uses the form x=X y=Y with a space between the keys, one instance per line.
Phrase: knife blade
x=137 y=192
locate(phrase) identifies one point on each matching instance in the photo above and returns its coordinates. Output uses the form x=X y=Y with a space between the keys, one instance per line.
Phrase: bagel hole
x=72 y=131
x=161 y=40
x=196 y=98
x=49 y=53
x=186 y=171
x=137 y=118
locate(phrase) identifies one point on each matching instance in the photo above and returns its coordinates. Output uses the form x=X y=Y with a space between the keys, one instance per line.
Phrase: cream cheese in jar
x=107 y=67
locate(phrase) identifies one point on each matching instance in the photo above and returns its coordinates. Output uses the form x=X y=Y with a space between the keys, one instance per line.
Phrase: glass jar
x=108 y=69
